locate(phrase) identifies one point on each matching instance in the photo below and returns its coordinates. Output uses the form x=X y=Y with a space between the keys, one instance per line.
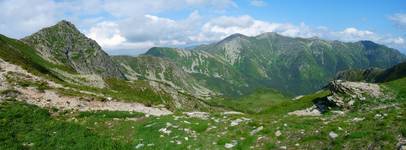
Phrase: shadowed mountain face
x=64 y=44
x=239 y=64
x=374 y=74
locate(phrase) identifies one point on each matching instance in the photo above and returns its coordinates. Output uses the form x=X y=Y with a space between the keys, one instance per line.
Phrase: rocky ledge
x=345 y=93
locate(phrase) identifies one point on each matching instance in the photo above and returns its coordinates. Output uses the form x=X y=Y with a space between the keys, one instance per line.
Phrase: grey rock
x=345 y=93
x=63 y=44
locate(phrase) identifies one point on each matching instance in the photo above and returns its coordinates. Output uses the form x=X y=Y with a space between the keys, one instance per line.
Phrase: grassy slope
x=256 y=102
x=309 y=132
x=23 y=124
x=16 y=52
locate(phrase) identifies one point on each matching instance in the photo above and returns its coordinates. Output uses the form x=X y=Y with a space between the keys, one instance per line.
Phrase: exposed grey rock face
x=63 y=44
x=345 y=94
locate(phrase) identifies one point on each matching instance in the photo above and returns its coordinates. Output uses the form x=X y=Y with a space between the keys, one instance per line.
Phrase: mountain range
x=235 y=66
x=60 y=90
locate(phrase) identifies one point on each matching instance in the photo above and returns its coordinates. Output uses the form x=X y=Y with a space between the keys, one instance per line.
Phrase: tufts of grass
x=29 y=127
x=110 y=114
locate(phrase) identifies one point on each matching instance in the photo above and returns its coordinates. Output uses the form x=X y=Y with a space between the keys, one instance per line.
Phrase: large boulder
x=345 y=93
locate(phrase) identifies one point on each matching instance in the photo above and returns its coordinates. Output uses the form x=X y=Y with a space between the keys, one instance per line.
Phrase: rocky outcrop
x=63 y=44
x=345 y=93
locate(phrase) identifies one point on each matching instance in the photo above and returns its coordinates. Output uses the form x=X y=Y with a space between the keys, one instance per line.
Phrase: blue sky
x=133 y=26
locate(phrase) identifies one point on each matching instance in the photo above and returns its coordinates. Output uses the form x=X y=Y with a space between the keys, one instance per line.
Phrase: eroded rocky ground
x=49 y=98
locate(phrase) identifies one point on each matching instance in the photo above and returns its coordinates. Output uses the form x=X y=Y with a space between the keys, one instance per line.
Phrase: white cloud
x=399 y=19
x=353 y=34
x=134 y=25
x=258 y=3
x=220 y=27
x=19 y=17
x=141 y=33
x=148 y=31
x=106 y=34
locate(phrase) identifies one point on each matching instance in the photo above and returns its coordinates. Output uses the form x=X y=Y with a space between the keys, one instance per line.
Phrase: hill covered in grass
x=293 y=66
x=374 y=74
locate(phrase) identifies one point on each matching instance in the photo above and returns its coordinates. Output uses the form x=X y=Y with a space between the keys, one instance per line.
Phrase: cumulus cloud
x=19 y=17
x=106 y=34
x=220 y=27
x=150 y=30
x=128 y=25
x=399 y=19
x=353 y=34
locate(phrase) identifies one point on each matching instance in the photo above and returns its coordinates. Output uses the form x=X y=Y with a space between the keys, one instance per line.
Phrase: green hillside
x=292 y=65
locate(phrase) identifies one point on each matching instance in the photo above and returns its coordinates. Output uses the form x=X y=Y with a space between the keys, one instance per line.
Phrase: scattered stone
x=232 y=113
x=253 y=132
x=311 y=111
x=238 y=121
x=283 y=147
x=333 y=135
x=165 y=131
x=178 y=142
x=197 y=114
x=139 y=146
x=149 y=125
x=401 y=145
x=28 y=144
x=338 y=112
x=356 y=119
x=231 y=145
x=278 y=133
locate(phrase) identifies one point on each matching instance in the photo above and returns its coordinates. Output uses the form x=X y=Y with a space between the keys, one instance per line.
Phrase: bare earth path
x=51 y=99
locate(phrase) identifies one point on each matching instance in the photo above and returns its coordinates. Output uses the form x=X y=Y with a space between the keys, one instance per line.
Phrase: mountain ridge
x=270 y=55
x=64 y=44
x=234 y=66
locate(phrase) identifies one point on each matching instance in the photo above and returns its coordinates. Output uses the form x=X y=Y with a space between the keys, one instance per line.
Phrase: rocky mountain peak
x=233 y=37
x=64 y=44
x=64 y=23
